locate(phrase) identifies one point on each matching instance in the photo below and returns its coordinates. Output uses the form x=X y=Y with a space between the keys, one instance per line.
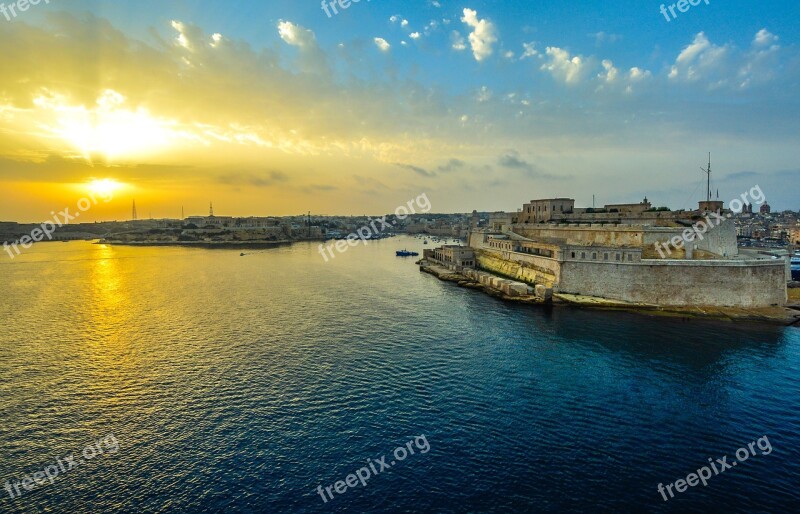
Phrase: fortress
x=614 y=253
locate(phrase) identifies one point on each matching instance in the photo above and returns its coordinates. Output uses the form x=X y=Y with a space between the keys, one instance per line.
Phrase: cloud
x=312 y=59
x=266 y=179
x=759 y=65
x=416 y=169
x=764 y=38
x=610 y=76
x=725 y=66
x=602 y=37
x=296 y=35
x=451 y=165
x=512 y=160
x=483 y=35
x=564 y=67
x=457 y=41
x=529 y=50
x=700 y=60
x=382 y=44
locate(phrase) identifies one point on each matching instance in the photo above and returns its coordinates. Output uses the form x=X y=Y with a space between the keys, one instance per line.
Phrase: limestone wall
x=680 y=283
x=584 y=235
x=525 y=268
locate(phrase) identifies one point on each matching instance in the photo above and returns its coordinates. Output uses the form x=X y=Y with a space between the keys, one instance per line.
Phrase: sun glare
x=105 y=187
x=109 y=128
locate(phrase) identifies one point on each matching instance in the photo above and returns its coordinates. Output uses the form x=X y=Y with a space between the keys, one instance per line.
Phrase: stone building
x=627 y=252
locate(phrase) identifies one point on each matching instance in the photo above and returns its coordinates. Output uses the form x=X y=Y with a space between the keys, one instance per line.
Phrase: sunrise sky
x=274 y=108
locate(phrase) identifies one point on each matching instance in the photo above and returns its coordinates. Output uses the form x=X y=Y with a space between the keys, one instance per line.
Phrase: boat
x=406 y=253
x=425 y=242
x=795 y=265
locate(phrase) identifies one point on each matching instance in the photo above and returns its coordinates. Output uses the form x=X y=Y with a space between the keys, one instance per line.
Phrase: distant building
x=765 y=208
x=538 y=211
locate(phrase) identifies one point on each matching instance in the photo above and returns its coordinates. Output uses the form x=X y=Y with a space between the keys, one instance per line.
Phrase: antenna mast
x=708 y=178
x=134 y=216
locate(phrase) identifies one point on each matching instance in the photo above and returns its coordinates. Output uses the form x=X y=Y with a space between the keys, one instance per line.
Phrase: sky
x=271 y=108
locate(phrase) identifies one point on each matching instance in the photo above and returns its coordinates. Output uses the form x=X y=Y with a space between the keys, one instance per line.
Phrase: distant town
x=214 y=230
x=759 y=229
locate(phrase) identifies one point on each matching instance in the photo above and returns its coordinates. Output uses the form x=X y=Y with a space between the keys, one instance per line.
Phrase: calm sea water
x=241 y=384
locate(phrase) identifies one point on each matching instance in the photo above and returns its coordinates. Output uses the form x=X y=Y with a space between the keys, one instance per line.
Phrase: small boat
x=425 y=242
x=406 y=253
x=795 y=266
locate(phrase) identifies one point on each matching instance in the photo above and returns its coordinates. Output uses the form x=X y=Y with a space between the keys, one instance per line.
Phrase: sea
x=171 y=379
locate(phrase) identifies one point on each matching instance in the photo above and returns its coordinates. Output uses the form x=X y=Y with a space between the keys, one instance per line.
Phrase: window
x=618 y=257
x=583 y=255
x=573 y=255
x=630 y=257
x=605 y=256
x=594 y=256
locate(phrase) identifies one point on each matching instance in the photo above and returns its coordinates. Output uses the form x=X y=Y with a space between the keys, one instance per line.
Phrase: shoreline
x=222 y=245
x=786 y=316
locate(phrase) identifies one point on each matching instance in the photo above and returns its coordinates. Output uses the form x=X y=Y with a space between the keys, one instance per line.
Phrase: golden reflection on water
x=108 y=308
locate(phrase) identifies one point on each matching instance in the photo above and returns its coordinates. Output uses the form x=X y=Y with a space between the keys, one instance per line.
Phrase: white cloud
x=414 y=35
x=764 y=38
x=610 y=74
x=457 y=40
x=382 y=44
x=703 y=62
x=296 y=35
x=529 y=50
x=700 y=60
x=610 y=77
x=568 y=69
x=312 y=58
x=761 y=62
x=483 y=35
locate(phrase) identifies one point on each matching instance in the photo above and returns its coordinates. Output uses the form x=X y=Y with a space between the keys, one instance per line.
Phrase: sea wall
x=679 y=282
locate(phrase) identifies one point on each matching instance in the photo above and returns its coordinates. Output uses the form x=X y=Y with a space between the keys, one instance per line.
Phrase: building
x=541 y=211
x=453 y=257
x=629 y=252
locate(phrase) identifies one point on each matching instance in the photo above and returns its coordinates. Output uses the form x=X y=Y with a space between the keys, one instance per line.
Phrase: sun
x=105 y=187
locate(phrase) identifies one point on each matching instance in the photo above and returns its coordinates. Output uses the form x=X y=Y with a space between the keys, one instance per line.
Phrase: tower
x=210 y=210
x=134 y=217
